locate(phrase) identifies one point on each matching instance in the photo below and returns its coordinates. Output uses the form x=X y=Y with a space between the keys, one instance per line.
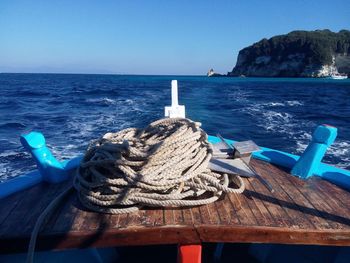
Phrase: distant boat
x=338 y=76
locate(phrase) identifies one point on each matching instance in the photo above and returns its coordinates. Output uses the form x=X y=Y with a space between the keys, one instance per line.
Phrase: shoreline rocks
x=212 y=73
x=297 y=54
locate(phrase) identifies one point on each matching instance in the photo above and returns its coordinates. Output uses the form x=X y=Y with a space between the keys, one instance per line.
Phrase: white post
x=174 y=98
x=175 y=110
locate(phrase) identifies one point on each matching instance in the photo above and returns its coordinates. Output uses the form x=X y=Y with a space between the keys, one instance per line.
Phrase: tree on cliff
x=298 y=53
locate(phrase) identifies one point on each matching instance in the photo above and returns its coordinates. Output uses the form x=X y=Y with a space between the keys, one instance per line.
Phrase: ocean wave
x=281 y=104
x=274 y=104
x=271 y=120
x=339 y=150
x=66 y=152
x=33 y=93
x=13 y=155
x=103 y=101
x=294 y=103
x=15 y=163
x=12 y=125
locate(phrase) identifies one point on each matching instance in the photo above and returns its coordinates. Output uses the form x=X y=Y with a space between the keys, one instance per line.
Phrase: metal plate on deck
x=246 y=147
x=220 y=150
x=231 y=166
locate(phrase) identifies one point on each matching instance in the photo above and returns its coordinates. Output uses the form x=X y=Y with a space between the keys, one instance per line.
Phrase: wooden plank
x=262 y=215
x=22 y=220
x=277 y=235
x=153 y=217
x=238 y=216
x=63 y=217
x=235 y=205
x=327 y=189
x=197 y=219
x=303 y=204
x=314 y=208
x=288 y=196
x=272 y=204
x=114 y=221
x=135 y=219
x=187 y=216
x=213 y=214
x=8 y=204
x=123 y=220
x=89 y=221
x=222 y=210
x=169 y=216
x=204 y=212
x=79 y=218
x=178 y=217
x=243 y=201
x=12 y=226
x=338 y=193
x=134 y=236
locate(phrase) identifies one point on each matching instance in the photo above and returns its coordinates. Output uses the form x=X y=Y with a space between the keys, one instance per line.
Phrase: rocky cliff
x=296 y=54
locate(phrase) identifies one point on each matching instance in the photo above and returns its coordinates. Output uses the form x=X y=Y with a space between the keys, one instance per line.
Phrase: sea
x=72 y=109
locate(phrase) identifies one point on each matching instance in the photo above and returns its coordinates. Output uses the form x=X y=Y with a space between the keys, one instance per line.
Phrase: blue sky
x=149 y=37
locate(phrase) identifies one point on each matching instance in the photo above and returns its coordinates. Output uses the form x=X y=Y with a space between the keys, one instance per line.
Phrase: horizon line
x=119 y=74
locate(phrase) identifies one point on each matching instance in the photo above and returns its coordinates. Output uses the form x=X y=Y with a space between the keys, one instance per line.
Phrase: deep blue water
x=71 y=110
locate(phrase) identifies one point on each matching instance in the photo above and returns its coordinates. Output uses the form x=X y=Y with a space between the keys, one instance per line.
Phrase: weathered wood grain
x=298 y=212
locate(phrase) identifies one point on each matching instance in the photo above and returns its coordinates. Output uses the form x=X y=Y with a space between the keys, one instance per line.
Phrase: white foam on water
x=7 y=153
x=281 y=104
x=301 y=146
x=129 y=101
x=106 y=101
x=341 y=149
x=274 y=104
x=7 y=173
x=276 y=120
x=65 y=152
x=286 y=125
x=11 y=164
x=271 y=120
x=302 y=140
x=294 y=103
x=79 y=128
x=239 y=95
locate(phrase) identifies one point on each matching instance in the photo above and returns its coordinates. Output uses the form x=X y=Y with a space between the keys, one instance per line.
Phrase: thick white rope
x=166 y=164
x=163 y=165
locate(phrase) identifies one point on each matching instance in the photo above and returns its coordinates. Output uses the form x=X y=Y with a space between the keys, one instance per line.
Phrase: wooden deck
x=298 y=212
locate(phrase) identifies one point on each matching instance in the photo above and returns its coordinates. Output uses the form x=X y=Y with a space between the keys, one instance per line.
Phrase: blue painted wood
x=310 y=160
x=19 y=183
x=49 y=168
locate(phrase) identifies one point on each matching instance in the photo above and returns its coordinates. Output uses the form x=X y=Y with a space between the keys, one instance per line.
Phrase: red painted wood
x=189 y=253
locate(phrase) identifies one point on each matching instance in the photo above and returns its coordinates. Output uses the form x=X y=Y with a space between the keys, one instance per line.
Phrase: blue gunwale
x=336 y=175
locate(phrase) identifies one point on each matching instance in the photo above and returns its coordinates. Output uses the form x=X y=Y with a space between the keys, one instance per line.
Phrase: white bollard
x=175 y=110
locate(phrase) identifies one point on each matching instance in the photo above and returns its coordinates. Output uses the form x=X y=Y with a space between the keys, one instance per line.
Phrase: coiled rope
x=165 y=164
